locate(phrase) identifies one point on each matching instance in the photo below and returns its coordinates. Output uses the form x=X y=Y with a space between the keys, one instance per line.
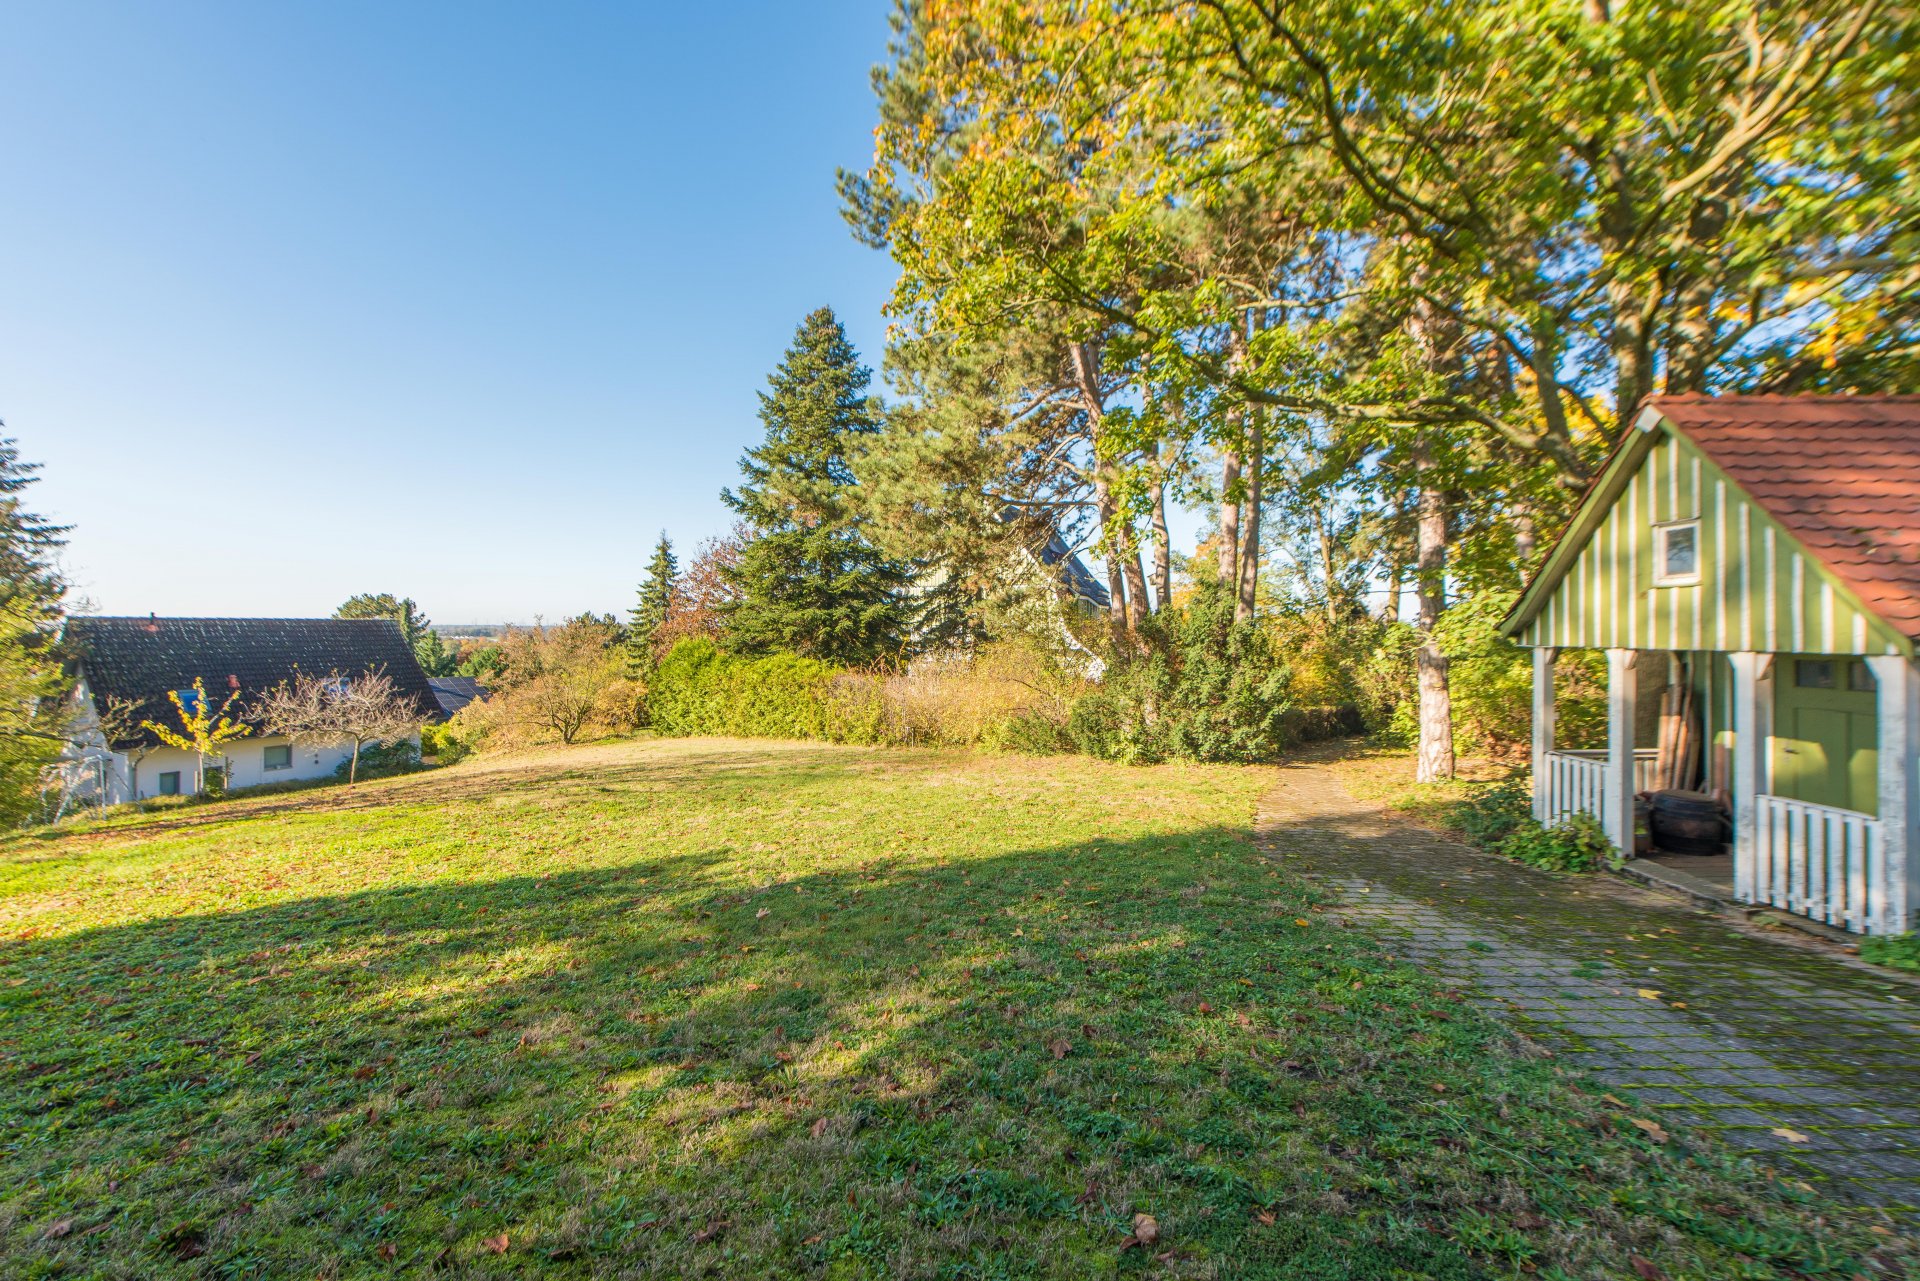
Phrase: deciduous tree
x=354 y=709
x=202 y=728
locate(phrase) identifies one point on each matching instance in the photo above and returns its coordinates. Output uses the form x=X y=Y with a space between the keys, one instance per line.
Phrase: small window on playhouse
x=1676 y=553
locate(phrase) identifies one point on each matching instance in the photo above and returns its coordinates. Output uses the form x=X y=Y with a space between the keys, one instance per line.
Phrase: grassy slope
x=750 y=1010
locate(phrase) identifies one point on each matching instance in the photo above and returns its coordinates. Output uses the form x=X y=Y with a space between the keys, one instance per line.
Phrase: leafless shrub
x=356 y=710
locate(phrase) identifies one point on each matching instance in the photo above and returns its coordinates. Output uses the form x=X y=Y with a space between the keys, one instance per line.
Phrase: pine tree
x=810 y=582
x=649 y=613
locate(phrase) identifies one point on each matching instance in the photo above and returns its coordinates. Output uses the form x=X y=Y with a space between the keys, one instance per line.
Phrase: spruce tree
x=649 y=613
x=29 y=578
x=810 y=582
x=33 y=679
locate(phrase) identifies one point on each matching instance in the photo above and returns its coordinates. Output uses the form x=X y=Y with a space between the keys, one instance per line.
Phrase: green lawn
x=748 y=1010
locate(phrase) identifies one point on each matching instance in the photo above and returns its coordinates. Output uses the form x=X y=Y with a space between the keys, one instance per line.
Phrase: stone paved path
x=1746 y=1035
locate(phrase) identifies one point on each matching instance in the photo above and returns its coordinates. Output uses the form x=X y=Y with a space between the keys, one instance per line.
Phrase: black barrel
x=1687 y=823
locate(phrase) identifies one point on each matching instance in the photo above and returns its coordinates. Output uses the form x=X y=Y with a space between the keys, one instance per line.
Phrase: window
x=1813 y=673
x=1824 y=673
x=279 y=757
x=189 y=700
x=170 y=783
x=1676 y=554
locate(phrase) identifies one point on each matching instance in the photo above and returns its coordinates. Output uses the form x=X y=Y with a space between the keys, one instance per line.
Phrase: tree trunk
x=1324 y=537
x=1396 y=582
x=353 y=763
x=1116 y=539
x=1525 y=539
x=1230 y=522
x=1435 y=759
x=1249 y=568
x=1136 y=578
x=1162 y=545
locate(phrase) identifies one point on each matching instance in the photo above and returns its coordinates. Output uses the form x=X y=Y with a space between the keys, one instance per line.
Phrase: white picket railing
x=1824 y=862
x=1577 y=781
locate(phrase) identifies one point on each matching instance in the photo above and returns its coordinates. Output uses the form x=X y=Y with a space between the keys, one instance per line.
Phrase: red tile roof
x=1842 y=473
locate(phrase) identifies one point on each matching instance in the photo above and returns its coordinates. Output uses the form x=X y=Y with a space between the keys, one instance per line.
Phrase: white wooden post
x=1898 y=709
x=1542 y=726
x=1622 y=696
x=1752 y=727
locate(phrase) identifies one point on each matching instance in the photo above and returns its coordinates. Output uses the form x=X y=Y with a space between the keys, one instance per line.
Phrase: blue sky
x=464 y=302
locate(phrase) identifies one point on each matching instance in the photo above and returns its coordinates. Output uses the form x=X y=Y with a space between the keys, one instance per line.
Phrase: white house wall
x=246 y=763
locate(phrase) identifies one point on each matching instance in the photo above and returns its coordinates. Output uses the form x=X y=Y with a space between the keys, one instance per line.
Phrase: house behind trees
x=126 y=669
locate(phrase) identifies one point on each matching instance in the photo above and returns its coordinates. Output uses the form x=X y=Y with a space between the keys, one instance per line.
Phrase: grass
x=747 y=1010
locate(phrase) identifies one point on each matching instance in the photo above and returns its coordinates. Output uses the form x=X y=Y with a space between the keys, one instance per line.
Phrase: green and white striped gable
x=1758 y=586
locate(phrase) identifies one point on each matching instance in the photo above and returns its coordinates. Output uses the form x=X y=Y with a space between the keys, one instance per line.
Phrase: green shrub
x=1207 y=689
x=1576 y=844
x=1895 y=951
x=1029 y=733
x=696 y=689
x=1492 y=814
x=382 y=760
x=445 y=742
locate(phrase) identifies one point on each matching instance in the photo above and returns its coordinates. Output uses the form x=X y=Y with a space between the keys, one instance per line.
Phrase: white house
x=133 y=664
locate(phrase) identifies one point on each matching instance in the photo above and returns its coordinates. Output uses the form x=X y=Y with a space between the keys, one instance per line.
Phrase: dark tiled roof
x=455 y=692
x=1842 y=473
x=1074 y=572
x=141 y=659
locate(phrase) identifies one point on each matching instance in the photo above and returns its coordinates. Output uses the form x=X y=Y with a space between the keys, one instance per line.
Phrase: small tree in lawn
x=203 y=730
x=334 y=708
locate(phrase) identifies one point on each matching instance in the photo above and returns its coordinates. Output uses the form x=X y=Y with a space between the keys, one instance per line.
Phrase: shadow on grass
x=954 y=1066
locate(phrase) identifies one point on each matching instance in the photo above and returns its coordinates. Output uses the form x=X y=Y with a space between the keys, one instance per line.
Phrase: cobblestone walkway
x=1708 y=1027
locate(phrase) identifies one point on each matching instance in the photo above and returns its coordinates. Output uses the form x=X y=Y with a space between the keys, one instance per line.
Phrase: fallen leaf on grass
x=763 y=914
x=1146 y=1230
x=1302 y=922
x=1791 y=1136
x=387 y=1250
x=1204 y=1008
x=1265 y=1218
x=1645 y=1269
x=1060 y=1045
x=1608 y=1098
x=1650 y=993
x=497 y=1245
x=1650 y=1128
x=818 y=1128
x=711 y=1231
x=58 y=1229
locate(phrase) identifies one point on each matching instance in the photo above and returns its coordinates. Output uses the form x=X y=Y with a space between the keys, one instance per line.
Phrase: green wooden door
x=1825 y=734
